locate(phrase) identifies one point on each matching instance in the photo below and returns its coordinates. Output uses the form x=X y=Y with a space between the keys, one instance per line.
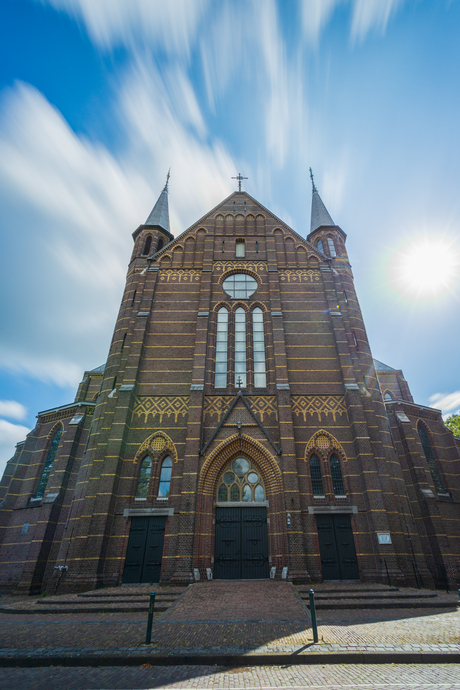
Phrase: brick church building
x=240 y=427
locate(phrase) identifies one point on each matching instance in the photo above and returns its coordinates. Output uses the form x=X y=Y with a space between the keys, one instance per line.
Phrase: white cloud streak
x=169 y=26
x=10 y=435
x=366 y=16
x=12 y=409
x=448 y=402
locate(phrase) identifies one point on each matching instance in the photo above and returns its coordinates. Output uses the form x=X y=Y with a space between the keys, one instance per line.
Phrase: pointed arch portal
x=239 y=476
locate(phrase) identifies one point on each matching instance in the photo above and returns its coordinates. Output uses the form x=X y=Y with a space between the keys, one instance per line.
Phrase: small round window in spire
x=240 y=286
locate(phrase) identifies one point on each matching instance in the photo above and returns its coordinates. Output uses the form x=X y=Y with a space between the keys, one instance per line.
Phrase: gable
x=240 y=214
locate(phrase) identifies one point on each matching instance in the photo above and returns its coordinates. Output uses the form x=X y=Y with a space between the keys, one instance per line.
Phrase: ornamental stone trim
x=320 y=405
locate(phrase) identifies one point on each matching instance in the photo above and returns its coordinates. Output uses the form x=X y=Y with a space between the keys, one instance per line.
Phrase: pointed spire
x=319 y=213
x=160 y=212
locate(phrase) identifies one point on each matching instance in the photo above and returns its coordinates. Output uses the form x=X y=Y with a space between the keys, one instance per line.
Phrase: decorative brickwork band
x=299 y=276
x=60 y=414
x=318 y=405
x=256 y=266
x=325 y=443
x=261 y=405
x=160 y=406
x=179 y=276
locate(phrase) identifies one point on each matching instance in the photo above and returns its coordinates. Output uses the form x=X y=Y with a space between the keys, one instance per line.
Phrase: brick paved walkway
x=317 y=677
x=239 y=618
x=265 y=600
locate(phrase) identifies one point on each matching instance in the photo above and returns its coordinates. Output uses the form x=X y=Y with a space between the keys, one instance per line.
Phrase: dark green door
x=145 y=549
x=241 y=551
x=337 y=547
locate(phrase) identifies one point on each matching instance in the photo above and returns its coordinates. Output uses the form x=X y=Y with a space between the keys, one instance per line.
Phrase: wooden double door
x=337 y=547
x=145 y=550
x=241 y=546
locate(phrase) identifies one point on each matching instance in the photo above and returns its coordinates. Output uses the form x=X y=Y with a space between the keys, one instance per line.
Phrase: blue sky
x=98 y=98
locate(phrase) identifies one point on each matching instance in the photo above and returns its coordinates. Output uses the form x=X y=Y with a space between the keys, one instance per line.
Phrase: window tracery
x=241 y=482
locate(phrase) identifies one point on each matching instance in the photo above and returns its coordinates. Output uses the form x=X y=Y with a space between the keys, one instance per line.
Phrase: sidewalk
x=232 y=623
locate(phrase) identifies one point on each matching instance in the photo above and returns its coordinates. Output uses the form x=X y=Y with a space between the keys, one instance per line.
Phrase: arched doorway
x=241 y=537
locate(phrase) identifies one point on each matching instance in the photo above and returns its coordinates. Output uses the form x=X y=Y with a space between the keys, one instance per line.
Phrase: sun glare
x=428 y=267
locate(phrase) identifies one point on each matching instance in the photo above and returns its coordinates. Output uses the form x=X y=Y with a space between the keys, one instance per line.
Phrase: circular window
x=229 y=478
x=240 y=466
x=240 y=286
x=253 y=478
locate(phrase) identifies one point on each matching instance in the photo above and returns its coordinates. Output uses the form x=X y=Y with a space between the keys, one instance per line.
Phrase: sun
x=428 y=267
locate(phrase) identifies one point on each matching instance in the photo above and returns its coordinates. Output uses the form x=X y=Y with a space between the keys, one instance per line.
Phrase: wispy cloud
x=85 y=202
x=315 y=16
x=12 y=409
x=170 y=25
x=449 y=403
x=10 y=435
x=366 y=16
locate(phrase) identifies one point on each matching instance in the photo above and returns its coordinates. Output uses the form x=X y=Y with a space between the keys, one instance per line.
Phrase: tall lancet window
x=316 y=478
x=240 y=348
x=430 y=458
x=144 y=479
x=319 y=244
x=47 y=467
x=331 y=245
x=220 y=378
x=258 y=341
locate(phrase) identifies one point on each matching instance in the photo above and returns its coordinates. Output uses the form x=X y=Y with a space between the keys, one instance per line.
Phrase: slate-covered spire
x=319 y=213
x=160 y=213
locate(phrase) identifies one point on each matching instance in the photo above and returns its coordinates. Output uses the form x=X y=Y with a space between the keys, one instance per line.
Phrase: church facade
x=240 y=428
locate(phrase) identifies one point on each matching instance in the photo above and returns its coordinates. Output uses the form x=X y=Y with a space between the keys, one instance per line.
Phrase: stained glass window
x=242 y=481
x=165 y=477
x=430 y=458
x=220 y=378
x=337 y=479
x=144 y=478
x=46 y=471
x=240 y=348
x=316 y=478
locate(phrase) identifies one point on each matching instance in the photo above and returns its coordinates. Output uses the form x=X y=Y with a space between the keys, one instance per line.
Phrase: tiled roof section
x=380 y=366
x=319 y=213
x=97 y=370
x=160 y=212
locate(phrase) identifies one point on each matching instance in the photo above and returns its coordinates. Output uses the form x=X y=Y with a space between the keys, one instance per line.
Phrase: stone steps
x=359 y=597
x=115 y=601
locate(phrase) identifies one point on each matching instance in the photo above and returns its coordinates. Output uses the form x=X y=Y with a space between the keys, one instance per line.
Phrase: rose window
x=241 y=481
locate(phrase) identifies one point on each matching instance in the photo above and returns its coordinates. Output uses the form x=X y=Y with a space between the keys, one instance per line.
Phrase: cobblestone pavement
x=317 y=677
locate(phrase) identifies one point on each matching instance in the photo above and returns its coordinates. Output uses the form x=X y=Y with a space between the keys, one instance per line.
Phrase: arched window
x=240 y=348
x=165 y=477
x=144 y=478
x=319 y=244
x=330 y=244
x=258 y=341
x=430 y=458
x=337 y=479
x=147 y=245
x=46 y=471
x=241 y=481
x=160 y=244
x=220 y=378
x=387 y=397
x=316 y=478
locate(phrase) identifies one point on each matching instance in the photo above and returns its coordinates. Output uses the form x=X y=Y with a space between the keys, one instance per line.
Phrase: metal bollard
x=314 y=625
x=148 y=636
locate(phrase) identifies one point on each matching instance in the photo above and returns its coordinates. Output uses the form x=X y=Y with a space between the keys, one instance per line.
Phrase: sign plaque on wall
x=384 y=537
